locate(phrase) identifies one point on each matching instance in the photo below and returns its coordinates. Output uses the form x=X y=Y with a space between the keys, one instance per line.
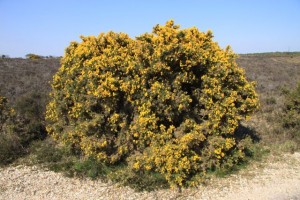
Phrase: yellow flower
x=136 y=165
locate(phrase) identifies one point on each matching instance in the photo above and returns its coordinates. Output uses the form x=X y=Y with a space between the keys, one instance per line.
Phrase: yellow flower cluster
x=168 y=101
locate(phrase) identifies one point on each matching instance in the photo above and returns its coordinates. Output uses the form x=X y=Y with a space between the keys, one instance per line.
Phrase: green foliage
x=10 y=148
x=18 y=128
x=90 y=167
x=31 y=114
x=292 y=109
x=270 y=101
x=168 y=102
x=140 y=181
x=289 y=145
x=61 y=159
x=5 y=114
x=291 y=117
x=10 y=143
x=50 y=155
x=47 y=152
x=29 y=106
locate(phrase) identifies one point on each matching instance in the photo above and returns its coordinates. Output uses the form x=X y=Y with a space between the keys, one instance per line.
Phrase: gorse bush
x=167 y=102
x=33 y=56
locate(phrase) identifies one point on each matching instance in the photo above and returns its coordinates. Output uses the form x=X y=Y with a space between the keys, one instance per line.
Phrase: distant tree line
x=4 y=56
x=35 y=56
x=31 y=56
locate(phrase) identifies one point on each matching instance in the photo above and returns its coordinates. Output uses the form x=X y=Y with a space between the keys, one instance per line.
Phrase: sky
x=46 y=27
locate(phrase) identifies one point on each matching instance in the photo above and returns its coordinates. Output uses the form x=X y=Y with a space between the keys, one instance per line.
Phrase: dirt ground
x=277 y=178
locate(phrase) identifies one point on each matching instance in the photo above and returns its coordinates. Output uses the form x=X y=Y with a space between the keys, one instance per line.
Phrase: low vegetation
x=26 y=84
x=10 y=145
x=291 y=119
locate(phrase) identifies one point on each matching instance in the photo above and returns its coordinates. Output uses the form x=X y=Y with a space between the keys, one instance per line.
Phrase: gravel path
x=278 y=178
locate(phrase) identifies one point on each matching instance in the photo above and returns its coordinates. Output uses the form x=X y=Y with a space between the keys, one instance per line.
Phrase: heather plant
x=291 y=116
x=31 y=115
x=18 y=128
x=5 y=113
x=10 y=144
x=167 y=102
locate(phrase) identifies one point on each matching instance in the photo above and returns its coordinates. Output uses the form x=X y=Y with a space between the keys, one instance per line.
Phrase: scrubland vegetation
x=153 y=112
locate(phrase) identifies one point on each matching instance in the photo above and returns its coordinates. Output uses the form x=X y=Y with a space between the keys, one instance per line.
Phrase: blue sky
x=47 y=27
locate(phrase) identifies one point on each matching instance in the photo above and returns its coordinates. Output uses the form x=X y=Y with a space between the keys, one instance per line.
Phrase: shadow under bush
x=62 y=159
x=140 y=181
x=30 y=109
x=243 y=131
x=10 y=148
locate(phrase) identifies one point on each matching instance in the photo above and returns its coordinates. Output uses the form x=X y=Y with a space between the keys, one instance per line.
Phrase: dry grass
x=20 y=77
x=274 y=74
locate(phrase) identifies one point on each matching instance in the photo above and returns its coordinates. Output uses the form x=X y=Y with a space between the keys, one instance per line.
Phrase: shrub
x=32 y=56
x=291 y=116
x=5 y=113
x=10 y=144
x=19 y=127
x=167 y=102
x=29 y=108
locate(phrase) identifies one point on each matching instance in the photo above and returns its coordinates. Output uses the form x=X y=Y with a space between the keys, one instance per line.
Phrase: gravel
x=276 y=178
